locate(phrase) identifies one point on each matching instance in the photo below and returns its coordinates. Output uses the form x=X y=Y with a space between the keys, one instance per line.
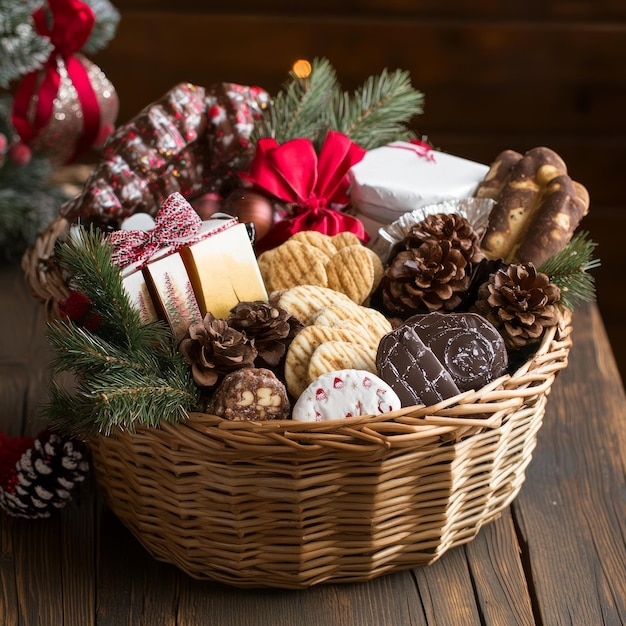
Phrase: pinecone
x=430 y=277
x=520 y=302
x=214 y=349
x=44 y=476
x=271 y=327
x=451 y=227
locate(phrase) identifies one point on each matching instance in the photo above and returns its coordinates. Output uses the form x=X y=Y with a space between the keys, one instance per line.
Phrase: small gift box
x=139 y=294
x=402 y=177
x=183 y=267
x=223 y=269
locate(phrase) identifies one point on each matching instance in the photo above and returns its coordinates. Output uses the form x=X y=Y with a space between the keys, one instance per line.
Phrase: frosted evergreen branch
x=105 y=27
x=22 y=48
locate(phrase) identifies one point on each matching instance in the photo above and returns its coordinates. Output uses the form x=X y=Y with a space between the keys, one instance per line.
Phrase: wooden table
x=558 y=556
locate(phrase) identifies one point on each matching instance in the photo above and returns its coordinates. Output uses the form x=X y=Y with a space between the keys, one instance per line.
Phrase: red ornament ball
x=251 y=206
x=20 y=154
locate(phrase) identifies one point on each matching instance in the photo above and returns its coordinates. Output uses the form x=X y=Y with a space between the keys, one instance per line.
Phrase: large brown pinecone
x=213 y=349
x=430 y=277
x=520 y=302
x=451 y=227
x=271 y=327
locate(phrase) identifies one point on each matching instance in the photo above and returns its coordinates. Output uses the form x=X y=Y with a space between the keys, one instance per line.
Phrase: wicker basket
x=289 y=504
x=41 y=270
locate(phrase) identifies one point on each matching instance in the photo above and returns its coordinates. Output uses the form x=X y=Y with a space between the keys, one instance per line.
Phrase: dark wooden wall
x=495 y=74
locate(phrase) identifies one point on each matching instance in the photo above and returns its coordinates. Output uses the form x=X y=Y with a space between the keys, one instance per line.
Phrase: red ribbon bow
x=71 y=25
x=294 y=173
x=176 y=223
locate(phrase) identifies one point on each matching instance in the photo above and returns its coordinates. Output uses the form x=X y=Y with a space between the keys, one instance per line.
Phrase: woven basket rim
x=468 y=412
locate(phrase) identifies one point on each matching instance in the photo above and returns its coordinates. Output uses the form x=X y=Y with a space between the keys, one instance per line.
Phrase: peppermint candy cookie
x=345 y=393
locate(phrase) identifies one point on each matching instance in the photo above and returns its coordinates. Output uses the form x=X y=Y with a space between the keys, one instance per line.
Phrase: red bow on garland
x=294 y=173
x=71 y=25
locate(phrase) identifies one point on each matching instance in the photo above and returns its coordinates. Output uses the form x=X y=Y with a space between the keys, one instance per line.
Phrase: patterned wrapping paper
x=191 y=141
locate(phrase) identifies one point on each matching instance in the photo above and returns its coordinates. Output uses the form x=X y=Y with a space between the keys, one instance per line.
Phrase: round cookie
x=295 y=263
x=316 y=239
x=344 y=393
x=467 y=345
x=338 y=355
x=412 y=370
x=304 y=301
x=351 y=271
x=301 y=350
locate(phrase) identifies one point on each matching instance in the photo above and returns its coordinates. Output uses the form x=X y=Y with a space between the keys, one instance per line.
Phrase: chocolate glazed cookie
x=466 y=344
x=411 y=369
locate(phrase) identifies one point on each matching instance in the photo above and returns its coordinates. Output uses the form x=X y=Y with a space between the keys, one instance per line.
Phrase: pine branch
x=106 y=402
x=116 y=388
x=569 y=269
x=297 y=110
x=127 y=373
x=379 y=111
x=83 y=352
x=87 y=257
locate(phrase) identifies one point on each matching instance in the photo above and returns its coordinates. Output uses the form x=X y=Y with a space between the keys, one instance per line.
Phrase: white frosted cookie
x=345 y=393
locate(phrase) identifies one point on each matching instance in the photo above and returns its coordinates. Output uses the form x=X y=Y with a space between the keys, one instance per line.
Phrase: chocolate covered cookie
x=466 y=344
x=250 y=394
x=411 y=369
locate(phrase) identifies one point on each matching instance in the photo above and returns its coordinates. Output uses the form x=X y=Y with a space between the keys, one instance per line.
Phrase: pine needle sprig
x=118 y=399
x=80 y=351
x=297 y=110
x=569 y=270
x=126 y=372
x=87 y=257
x=379 y=111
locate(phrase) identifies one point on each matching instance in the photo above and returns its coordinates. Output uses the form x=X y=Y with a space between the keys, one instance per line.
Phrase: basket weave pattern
x=288 y=504
x=42 y=273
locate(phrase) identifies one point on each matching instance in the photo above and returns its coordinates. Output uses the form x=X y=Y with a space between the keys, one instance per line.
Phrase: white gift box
x=400 y=177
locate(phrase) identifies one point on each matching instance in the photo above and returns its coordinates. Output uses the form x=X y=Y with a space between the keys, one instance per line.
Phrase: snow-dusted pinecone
x=44 y=476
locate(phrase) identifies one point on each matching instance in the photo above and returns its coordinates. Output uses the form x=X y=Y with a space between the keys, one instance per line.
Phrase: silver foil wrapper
x=475 y=210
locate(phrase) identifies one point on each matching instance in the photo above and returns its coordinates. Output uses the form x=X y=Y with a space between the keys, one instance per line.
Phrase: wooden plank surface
x=572 y=506
x=558 y=556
